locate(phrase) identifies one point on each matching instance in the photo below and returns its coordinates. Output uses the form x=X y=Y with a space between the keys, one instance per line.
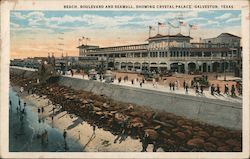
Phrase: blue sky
x=70 y=20
x=109 y=28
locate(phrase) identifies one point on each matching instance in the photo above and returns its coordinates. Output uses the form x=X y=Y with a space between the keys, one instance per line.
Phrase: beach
x=91 y=140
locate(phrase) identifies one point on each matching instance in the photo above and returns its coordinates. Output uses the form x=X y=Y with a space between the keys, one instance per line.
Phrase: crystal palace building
x=176 y=53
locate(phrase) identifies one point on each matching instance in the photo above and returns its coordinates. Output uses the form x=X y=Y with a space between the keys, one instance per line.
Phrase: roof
x=86 y=46
x=209 y=49
x=164 y=36
x=228 y=34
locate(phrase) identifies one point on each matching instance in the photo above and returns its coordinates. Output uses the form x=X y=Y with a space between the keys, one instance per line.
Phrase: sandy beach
x=91 y=141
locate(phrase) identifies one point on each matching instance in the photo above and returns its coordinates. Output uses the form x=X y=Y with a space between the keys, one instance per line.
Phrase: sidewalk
x=165 y=88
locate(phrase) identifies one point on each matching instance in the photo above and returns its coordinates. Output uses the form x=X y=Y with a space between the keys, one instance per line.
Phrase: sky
x=35 y=33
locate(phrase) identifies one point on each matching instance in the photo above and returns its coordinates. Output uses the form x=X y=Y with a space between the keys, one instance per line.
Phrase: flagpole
x=149 y=30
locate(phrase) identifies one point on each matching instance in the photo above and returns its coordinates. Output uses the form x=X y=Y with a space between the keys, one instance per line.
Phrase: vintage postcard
x=124 y=79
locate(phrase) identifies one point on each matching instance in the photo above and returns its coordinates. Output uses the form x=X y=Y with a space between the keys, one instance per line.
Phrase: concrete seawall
x=212 y=111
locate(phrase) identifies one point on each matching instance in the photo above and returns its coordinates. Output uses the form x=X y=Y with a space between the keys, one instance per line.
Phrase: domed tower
x=49 y=59
x=53 y=60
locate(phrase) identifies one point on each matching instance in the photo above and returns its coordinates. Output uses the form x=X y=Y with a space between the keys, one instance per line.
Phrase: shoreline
x=73 y=124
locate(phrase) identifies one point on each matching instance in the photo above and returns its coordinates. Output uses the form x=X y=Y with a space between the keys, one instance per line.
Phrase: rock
x=233 y=142
x=134 y=114
x=237 y=149
x=212 y=140
x=219 y=134
x=148 y=115
x=224 y=149
x=188 y=123
x=157 y=127
x=119 y=117
x=105 y=105
x=170 y=142
x=203 y=134
x=163 y=123
x=196 y=128
x=84 y=101
x=188 y=132
x=220 y=143
x=175 y=130
x=180 y=122
x=97 y=109
x=152 y=134
x=198 y=137
x=210 y=147
x=135 y=122
x=180 y=135
x=196 y=142
x=130 y=107
x=187 y=127
x=166 y=134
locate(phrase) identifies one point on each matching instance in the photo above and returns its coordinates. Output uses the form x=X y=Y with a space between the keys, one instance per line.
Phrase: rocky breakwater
x=165 y=130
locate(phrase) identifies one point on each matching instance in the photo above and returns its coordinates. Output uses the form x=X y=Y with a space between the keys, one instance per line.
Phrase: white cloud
x=233 y=20
x=224 y=16
x=18 y=15
x=14 y=25
x=35 y=14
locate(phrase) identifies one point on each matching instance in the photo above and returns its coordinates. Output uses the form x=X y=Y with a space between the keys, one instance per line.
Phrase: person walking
x=64 y=134
x=154 y=82
x=212 y=89
x=196 y=89
x=94 y=128
x=140 y=83
x=233 y=91
x=144 y=142
x=186 y=87
x=218 y=89
x=53 y=109
x=155 y=146
x=170 y=85
x=19 y=101
x=201 y=88
x=226 y=89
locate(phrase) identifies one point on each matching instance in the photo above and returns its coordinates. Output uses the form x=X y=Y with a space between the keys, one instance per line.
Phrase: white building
x=173 y=53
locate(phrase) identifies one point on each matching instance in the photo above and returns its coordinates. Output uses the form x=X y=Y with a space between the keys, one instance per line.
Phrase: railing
x=174 y=58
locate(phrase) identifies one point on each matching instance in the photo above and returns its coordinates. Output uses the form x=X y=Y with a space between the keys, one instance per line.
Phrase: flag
x=192 y=26
x=172 y=25
x=151 y=28
x=161 y=24
x=182 y=23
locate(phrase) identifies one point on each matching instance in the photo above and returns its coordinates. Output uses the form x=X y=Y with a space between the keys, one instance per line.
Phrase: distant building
x=173 y=53
x=226 y=39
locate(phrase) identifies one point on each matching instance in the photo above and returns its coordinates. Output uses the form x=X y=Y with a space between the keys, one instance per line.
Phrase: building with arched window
x=173 y=53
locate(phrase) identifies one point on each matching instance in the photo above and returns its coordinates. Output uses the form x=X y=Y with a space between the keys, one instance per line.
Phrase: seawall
x=212 y=111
